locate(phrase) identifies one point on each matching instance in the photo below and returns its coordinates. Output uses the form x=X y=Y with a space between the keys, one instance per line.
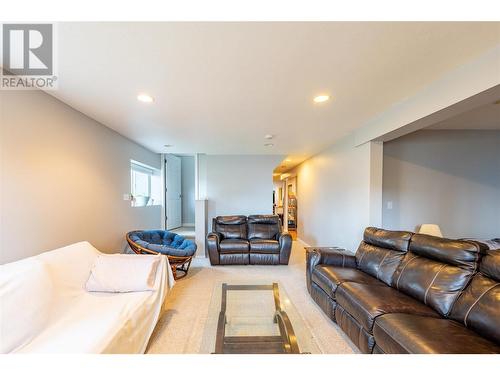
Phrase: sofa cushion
x=266 y=227
x=354 y=330
x=163 y=241
x=387 y=239
x=405 y=333
x=264 y=258
x=230 y=227
x=478 y=307
x=459 y=253
x=436 y=270
x=146 y=237
x=100 y=323
x=230 y=220
x=329 y=278
x=381 y=252
x=324 y=301
x=264 y=246
x=232 y=246
x=367 y=302
x=234 y=258
x=490 y=264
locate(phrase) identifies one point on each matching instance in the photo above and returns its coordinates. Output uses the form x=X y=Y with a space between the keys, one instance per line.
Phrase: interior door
x=173 y=192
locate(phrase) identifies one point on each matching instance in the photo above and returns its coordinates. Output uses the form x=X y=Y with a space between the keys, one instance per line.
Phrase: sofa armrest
x=285 y=241
x=213 y=241
x=329 y=256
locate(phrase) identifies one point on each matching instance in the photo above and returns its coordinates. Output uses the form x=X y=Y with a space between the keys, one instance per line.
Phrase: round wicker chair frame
x=180 y=265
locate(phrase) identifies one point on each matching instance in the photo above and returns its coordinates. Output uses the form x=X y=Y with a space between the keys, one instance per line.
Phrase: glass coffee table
x=254 y=318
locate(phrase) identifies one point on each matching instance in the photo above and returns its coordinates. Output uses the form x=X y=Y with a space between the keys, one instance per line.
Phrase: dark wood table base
x=286 y=343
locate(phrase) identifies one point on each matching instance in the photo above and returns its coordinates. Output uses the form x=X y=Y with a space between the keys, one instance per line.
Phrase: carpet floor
x=182 y=324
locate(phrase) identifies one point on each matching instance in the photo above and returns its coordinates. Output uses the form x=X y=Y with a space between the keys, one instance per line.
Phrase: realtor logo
x=28 y=56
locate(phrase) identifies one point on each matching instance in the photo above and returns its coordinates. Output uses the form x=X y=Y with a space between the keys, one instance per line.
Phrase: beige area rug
x=181 y=327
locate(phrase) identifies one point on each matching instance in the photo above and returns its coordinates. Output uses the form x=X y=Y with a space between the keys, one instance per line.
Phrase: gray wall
x=446 y=177
x=187 y=183
x=239 y=184
x=62 y=178
x=334 y=194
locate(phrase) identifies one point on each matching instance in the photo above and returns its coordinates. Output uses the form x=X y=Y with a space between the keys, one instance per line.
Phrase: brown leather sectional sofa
x=256 y=239
x=411 y=293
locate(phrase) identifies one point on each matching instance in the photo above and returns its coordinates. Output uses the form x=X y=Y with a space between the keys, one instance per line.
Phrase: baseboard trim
x=187 y=224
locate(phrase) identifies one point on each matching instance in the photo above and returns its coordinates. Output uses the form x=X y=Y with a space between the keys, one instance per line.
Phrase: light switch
x=389 y=205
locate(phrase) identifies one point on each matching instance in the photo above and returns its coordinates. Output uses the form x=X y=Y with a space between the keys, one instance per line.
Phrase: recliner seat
x=401 y=290
x=474 y=320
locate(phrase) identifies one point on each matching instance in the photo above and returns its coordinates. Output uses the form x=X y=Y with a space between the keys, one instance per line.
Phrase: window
x=145 y=185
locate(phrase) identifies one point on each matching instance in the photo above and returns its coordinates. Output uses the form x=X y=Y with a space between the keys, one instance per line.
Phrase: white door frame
x=165 y=192
x=163 y=171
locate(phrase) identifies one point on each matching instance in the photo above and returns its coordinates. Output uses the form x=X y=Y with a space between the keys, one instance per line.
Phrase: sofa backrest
x=478 y=307
x=70 y=266
x=381 y=252
x=266 y=227
x=230 y=227
x=436 y=270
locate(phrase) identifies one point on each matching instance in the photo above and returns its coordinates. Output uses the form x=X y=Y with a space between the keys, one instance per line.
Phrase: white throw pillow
x=121 y=273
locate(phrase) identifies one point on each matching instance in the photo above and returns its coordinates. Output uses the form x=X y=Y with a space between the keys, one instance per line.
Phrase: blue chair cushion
x=164 y=242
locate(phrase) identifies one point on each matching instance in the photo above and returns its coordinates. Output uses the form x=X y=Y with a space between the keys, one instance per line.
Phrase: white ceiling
x=220 y=87
x=482 y=118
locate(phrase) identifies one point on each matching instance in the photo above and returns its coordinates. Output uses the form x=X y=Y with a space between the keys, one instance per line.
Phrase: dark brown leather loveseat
x=411 y=293
x=256 y=239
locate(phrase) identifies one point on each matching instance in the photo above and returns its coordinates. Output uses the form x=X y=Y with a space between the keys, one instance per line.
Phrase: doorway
x=285 y=202
x=173 y=192
x=180 y=194
x=291 y=206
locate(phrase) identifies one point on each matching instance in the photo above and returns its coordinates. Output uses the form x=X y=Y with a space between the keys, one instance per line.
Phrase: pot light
x=145 y=98
x=288 y=160
x=268 y=136
x=168 y=146
x=321 y=98
x=269 y=144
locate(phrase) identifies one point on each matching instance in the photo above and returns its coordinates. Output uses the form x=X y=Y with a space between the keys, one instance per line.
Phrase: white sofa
x=45 y=308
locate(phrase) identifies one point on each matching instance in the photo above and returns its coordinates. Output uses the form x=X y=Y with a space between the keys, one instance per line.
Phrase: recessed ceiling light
x=288 y=160
x=269 y=144
x=145 y=98
x=168 y=145
x=268 y=136
x=321 y=98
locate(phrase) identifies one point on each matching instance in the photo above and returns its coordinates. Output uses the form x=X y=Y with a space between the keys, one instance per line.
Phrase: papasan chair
x=178 y=249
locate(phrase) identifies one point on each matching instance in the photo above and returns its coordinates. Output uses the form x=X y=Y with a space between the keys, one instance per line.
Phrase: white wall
x=445 y=177
x=187 y=173
x=63 y=176
x=333 y=194
x=239 y=184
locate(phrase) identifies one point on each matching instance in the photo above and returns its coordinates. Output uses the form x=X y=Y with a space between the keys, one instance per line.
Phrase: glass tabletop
x=254 y=317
